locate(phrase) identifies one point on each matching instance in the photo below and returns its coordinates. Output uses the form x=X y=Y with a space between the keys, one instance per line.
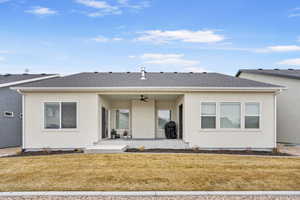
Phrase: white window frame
x=157 y=118
x=60 y=117
x=241 y=114
x=242 y=118
x=216 y=115
x=8 y=116
x=259 y=115
x=129 y=119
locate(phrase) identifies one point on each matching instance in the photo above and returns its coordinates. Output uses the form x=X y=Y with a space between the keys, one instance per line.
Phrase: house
x=288 y=101
x=11 y=107
x=211 y=110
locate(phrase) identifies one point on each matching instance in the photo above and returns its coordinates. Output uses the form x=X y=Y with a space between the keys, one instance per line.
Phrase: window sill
x=231 y=130
x=60 y=130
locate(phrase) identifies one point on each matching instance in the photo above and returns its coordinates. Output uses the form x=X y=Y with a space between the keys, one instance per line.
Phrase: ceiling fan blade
x=143 y=98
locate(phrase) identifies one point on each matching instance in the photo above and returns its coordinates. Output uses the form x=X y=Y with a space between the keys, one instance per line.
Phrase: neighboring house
x=211 y=110
x=11 y=107
x=288 y=103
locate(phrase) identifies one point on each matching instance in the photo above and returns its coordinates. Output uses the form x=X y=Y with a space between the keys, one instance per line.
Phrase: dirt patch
x=192 y=151
x=232 y=152
x=43 y=153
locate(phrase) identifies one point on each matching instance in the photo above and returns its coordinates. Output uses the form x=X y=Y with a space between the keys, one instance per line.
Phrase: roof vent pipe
x=143 y=73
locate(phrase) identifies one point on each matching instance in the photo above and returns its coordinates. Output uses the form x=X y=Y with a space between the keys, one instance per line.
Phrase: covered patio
x=139 y=118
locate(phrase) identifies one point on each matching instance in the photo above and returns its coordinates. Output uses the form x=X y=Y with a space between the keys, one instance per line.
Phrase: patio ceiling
x=137 y=96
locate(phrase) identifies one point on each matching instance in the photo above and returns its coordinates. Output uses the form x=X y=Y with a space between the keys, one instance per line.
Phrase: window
x=230 y=115
x=164 y=116
x=52 y=115
x=60 y=115
x=8 y=114
x=208 y=115
x=122 y=119
x=252 y=115
x=68 y=115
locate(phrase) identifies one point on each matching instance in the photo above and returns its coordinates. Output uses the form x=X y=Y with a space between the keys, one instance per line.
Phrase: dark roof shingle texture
x=9 y=78
x=153 y=79
x=288 y=73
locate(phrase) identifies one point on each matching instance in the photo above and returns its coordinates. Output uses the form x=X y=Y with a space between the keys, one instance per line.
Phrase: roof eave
x=27 y=80
x=266 y=74
x=188 y=89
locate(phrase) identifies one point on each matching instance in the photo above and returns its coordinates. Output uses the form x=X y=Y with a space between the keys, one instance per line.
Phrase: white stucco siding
x=288 y=106
x=143 y=119
x=220 y=138
x=87 y=123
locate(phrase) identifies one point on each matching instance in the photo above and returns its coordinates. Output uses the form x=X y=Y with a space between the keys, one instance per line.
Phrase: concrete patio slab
x=9 y=151
x=108 y=148
x=293 y=149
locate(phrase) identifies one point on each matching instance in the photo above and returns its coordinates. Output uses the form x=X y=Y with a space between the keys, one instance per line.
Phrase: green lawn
x=148 y=172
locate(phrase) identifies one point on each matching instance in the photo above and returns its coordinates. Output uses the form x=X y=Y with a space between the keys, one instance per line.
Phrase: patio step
x=106 y=148
x=148 y=143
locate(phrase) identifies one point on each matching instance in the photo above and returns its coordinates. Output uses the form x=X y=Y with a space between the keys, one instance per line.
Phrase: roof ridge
x=158 y=72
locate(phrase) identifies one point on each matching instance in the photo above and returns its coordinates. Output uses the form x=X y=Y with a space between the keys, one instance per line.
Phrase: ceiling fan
x=144 y=99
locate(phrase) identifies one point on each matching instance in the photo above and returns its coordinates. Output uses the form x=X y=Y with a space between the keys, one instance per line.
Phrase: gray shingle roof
x=154 y=79
x=288 y=73
x=9 y=78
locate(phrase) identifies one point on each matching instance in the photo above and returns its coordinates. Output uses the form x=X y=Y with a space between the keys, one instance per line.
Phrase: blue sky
x=69 y=36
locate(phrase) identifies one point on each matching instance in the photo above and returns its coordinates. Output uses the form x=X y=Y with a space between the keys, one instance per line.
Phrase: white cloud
x=294 y=15
x=4 y=1
x=140 y=5
x=97 y=4
x=37 y=10
x=4 y=52
x=294 y=12
x=157 y=56
x=279 y=48
x=103 y=13
x=101 y=38
x=200 y=36
x=103 y=8
x=117 y=39
x=168 y=59
x=195 y=69
x=294 y=61
x=174 y=60
x=2 y=58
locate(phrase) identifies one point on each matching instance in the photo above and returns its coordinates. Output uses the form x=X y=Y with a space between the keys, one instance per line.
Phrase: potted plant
x=113 y=134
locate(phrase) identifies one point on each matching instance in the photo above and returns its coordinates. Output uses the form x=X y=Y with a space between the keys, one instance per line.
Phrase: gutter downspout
x=275 y=117
x=23 y=119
